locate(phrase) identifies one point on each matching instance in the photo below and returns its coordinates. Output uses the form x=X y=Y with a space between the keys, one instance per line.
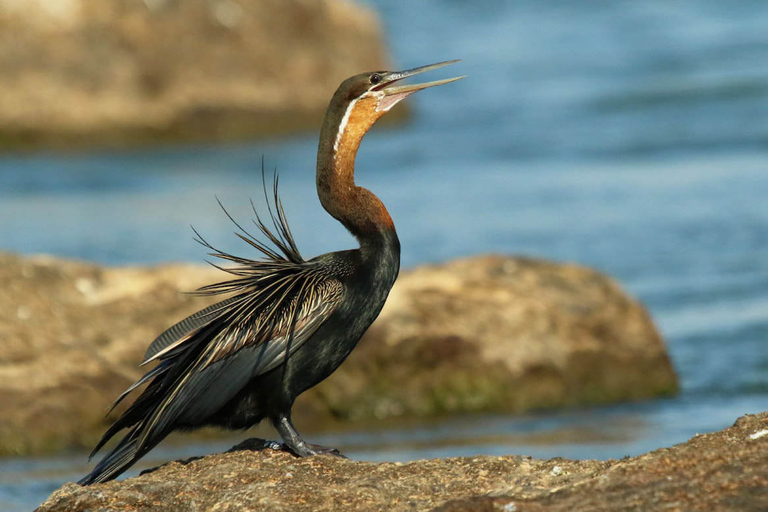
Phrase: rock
x=482 y=334
x=116 y=72
x=71 y=336
x=503 y=334
x=723 y=471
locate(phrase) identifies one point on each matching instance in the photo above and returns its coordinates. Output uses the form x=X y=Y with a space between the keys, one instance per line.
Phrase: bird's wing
x=218 y=350
x=278 y=303
x=207 y=366
x=250 y=336
x=180 y=330
x=270 y=310
x=248 y=345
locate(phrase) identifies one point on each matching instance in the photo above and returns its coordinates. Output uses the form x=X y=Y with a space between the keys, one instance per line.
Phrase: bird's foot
x=274 y=445
x=309 y=450
x=324 y=450
x=295 y=444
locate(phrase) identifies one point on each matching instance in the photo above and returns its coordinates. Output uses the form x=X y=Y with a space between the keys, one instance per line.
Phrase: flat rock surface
x=118 y=72
x=722 y=471
x=489 y=333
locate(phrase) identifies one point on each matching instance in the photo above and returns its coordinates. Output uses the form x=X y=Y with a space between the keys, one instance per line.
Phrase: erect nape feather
x=251 y=271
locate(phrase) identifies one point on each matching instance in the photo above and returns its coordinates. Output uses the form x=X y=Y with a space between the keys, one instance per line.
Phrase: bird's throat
x=359 y=210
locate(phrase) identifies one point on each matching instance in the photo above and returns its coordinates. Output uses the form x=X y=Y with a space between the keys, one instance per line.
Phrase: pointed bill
x=394 y=93
x=399 y=75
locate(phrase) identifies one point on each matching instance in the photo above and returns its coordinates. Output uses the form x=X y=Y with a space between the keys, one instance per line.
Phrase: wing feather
x=177 y=331
x=277 y=304
x=229 y=343
x=242 y=350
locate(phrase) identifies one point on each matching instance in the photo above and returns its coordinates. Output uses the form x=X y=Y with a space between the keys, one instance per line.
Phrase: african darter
x=289 y=322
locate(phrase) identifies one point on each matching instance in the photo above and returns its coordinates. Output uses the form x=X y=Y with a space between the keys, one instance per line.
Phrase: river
x=627 y=136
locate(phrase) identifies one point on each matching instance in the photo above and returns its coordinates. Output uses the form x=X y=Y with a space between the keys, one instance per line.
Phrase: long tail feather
x=120 y=458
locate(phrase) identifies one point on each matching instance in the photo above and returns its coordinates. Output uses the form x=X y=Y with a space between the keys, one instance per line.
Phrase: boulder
x=116 y=72
x=490 y=333
x=504 y=334
x=71 y=336
x=722 y=471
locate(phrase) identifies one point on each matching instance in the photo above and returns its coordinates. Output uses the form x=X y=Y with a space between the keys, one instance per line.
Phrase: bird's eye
x=375 y=78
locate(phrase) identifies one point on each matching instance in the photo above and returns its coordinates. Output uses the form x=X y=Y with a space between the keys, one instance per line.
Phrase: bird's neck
x=357 y=208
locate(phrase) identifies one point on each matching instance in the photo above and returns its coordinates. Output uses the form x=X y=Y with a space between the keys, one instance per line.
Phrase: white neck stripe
x=343 y=124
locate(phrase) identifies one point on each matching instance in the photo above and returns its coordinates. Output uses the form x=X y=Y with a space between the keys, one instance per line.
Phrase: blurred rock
x=71 y=336
x=116 y=72
x=503 y=334
x=724 y=471
x=482 y=334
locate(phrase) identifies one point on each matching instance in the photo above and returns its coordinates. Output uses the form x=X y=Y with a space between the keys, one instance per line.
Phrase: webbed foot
x=324 y=450
x=296 y=445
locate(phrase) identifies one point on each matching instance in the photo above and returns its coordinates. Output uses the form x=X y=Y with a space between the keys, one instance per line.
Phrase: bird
x=287 y=322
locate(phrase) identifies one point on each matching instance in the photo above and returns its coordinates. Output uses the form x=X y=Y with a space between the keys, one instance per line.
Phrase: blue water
x=627 y=136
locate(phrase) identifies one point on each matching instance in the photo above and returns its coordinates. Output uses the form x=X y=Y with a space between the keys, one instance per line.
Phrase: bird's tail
x=120 y=458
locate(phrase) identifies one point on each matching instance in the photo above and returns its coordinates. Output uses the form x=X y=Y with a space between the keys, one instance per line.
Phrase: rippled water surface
x=627 y=136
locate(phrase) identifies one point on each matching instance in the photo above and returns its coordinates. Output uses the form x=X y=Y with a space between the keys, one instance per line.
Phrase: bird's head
x=362 y=99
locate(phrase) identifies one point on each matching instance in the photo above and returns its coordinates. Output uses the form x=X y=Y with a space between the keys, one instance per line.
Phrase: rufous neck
x=357 y=208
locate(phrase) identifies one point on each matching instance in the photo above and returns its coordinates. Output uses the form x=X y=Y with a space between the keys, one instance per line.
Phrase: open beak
x=394 y=93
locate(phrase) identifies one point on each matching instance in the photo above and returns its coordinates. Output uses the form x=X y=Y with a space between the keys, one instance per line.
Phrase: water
x=630 y=137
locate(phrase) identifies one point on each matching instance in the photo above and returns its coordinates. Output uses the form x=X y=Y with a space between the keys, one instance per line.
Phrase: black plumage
x=288 y=323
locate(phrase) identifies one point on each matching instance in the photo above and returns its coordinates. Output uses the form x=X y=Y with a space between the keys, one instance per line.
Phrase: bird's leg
x=295 y=443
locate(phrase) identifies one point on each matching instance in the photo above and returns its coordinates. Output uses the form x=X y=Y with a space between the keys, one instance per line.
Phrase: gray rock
x=504 y=334
x=721 y=471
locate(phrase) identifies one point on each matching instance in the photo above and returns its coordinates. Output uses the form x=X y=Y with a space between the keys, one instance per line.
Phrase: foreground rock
x=114 y=72
x=481 y=334
x=722 y=471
